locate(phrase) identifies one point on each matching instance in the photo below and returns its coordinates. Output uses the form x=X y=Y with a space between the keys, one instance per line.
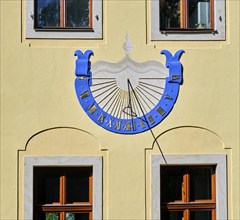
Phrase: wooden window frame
x=186 y=205
x=62 y=207
x=63 y=15
x=215 y=33
x=94 y=31
x=219 y=160
x=96 y=162
x=184 y=21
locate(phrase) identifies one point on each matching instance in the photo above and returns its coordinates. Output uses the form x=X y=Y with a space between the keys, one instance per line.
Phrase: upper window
x=64 y=19
x=188 y=20
x=186 y=14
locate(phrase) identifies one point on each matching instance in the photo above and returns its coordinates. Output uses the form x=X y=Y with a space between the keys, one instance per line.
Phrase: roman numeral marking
x=168 y=97
x=92 y=108
x=161 y=111
x=84 y=94
x=175 y=77
x=151 y=120
x=127 y=126
x=118 y=125
x=101 y=118
x=142 y=123
x=110 y=122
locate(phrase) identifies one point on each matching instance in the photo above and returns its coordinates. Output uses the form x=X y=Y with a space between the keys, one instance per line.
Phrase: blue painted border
x=83 y=83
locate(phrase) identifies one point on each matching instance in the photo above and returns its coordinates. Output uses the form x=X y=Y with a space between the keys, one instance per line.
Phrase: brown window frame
x=186 y=205
x=184 y=18
x=63 y=15
x=62 y=207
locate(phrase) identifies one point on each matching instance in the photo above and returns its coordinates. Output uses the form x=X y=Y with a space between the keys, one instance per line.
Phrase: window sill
x=192 y=31
x=64 y=29
x=184 y=35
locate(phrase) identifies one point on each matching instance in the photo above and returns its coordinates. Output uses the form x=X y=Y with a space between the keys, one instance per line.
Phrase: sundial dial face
x=128 y=97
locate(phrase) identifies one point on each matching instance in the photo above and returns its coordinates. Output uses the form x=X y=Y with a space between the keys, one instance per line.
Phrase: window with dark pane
x=77 y=185
x=62 y=193
x=171 y=183
x=77 y=13
x=172 y=215
x=47 y=185
x=200 y=215
x=47 y=13
x=188 y=192
x=200 y=183
x=58 y=14
x=186 y=14
x=77 y=216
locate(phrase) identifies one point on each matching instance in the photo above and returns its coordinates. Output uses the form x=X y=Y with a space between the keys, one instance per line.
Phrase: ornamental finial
x=127 y=46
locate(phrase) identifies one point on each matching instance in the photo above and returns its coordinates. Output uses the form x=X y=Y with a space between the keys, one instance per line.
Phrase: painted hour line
x=123 y=103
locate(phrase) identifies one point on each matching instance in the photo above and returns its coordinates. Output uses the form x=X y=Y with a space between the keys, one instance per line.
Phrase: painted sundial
x=128 y=97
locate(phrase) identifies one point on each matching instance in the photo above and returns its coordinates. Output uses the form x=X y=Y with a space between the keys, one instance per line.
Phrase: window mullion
x=62 y=216
x=184 y=13
x=186 y=214
x=185 y=188
x=90 y=13
x=63 y=189
x=62 y=13
x=212 y=14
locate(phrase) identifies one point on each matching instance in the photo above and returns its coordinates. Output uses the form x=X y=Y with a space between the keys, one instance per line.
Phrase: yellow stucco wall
x=37 y=93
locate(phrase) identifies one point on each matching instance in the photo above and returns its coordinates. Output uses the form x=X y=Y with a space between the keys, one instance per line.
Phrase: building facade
x=120 y=109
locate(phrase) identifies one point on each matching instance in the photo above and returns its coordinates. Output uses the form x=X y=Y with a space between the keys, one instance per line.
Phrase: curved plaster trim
x=54 y=128
x=189 y=126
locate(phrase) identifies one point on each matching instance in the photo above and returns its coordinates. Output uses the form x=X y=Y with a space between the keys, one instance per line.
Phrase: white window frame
x=217 y=34
x=94 y=161
x=206 y=159
x=81 y=34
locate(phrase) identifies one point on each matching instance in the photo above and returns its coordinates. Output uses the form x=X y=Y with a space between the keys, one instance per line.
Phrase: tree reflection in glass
x=77 y=14
x=170 y=14
x=48 y=13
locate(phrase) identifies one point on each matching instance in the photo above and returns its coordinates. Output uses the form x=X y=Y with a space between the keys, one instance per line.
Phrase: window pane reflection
x=77 y=216
x=170 y=14
x=48 y=13
x=77 y=13
x=199 y=14
x=52 y=216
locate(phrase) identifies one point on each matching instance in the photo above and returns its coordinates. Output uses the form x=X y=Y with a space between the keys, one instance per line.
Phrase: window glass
x=170 y=14
x=77 y=13
x=47 y=182
x=200 y=215
x=52 y=216
x=77 y=185
x=200 y=183
x=47 y=13
x=171 y=184
x=199 y=14
x=77 y=216
x=55 y=188
x=185 y=14
x=173 y=215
